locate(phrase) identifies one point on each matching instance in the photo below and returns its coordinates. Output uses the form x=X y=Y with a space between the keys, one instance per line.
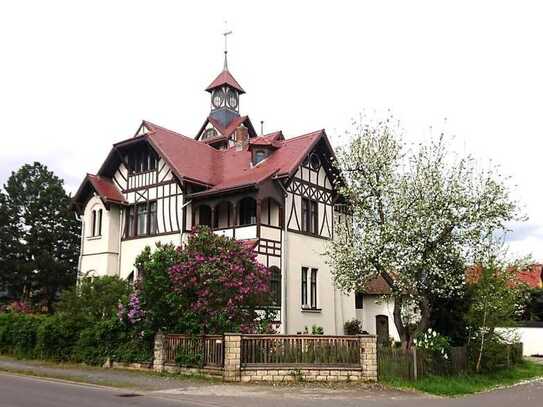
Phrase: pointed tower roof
x=225 y=78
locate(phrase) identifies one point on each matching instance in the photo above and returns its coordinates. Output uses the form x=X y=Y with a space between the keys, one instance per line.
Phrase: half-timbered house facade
x=274 y=193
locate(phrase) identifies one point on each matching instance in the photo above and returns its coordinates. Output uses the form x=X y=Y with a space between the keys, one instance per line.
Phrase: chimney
x=242 y=137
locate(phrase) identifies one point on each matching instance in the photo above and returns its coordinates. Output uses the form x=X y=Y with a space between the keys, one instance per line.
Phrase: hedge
x=63 y=339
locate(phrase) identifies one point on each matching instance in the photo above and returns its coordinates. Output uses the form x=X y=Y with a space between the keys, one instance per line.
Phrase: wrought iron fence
x=194 y=351
x=342 y=351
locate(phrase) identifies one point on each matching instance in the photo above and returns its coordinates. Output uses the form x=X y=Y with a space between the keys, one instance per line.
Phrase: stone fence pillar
x=368 y=357
x=159 y=352
x=232 y=357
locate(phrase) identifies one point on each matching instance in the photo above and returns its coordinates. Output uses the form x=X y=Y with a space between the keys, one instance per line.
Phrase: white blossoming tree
x=414 y=216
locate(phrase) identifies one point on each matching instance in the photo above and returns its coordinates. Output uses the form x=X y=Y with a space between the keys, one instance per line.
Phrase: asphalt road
x=25 y=391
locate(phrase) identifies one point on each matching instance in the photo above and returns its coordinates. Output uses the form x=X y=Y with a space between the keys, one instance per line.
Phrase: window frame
x=304 y=287
x=249 y=214
x=260 y=152
x=100 y=216
x=276 y=286
x=313 y=289
x=310 y=216
x=359 y=300
x=132 y=216
x=93 y=223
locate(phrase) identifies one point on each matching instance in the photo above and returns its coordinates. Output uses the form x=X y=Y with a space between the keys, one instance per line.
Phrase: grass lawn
x=471 y=383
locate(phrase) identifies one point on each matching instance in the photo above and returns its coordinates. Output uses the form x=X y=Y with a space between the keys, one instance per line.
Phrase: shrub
x=18 y=334
x=220 y=282
x=93 y=299
x=56 y=338
x=353 y=327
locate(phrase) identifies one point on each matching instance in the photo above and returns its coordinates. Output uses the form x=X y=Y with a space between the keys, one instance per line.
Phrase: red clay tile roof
x=225 y=78
x=218 y=170
x=106 y=189
x=377 y=286
x=227 y=169
x=532 y=275
x=271 y=140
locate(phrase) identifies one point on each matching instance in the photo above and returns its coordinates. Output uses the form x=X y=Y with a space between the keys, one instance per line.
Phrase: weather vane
x=226 y=33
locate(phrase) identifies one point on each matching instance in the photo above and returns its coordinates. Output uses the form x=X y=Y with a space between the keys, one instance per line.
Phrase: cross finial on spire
x=226 y=33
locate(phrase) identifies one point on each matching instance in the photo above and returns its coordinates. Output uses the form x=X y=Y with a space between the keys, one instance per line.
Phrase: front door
x=381 y=327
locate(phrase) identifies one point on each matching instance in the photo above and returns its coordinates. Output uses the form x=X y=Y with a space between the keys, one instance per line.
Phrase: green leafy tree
x=162 y=305
x=497 y=300
x=94 y=299
x=50 y=233
x=10 y=249
x=414 y=216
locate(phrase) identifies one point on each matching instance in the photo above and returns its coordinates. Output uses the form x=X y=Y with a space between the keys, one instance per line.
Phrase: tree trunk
x=409 y=333
x=481 y=348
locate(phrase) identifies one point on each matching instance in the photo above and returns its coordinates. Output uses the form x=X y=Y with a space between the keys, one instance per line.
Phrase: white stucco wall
x=100 y=253
x=336 y=308
x=374 y=305
x=130 y=249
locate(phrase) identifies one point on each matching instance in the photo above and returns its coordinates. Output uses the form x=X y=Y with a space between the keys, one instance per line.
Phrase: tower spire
x=226 y=33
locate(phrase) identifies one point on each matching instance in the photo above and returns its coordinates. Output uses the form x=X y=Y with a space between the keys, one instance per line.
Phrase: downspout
x=121 y=228
x=284 y=265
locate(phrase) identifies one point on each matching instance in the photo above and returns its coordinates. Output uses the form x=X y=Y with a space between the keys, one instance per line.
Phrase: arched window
x=247 y=211
x=275 y=286
x=204 y=216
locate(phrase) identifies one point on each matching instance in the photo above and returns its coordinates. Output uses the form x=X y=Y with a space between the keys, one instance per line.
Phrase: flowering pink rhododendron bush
x=213 y=284
x=222 y=281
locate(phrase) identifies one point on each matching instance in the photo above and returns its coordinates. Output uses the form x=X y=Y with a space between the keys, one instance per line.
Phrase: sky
x=77 y=76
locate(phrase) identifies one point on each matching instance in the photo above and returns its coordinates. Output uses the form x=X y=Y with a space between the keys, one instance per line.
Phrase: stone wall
x=306 y=374
x=232 y=357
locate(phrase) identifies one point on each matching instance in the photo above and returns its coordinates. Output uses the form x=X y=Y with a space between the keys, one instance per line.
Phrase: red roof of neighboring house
x=225 y=78
x=378 y=286
x=532 y=275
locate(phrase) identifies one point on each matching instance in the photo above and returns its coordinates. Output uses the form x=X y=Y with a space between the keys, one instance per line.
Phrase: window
x=93 y=225
x=359 y=301
x=275 y=286
x=153 y=222
x=247 y=211
x=141 y=161
x=141 y=220
x=260 y=155
x=96 y=223
x=99 y=226
x=309 y=299
x=204 y=215
x=142 y=214
x=310 y=216
x=304 y=287
x=313 y=288
x=130 y=221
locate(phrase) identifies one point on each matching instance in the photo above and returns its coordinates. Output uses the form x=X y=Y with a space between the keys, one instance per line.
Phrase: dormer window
x=259 y=156
x=142 y=161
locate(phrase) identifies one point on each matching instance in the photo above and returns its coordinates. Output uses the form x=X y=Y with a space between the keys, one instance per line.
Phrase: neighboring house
x=273 y=193
x=375 y=309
